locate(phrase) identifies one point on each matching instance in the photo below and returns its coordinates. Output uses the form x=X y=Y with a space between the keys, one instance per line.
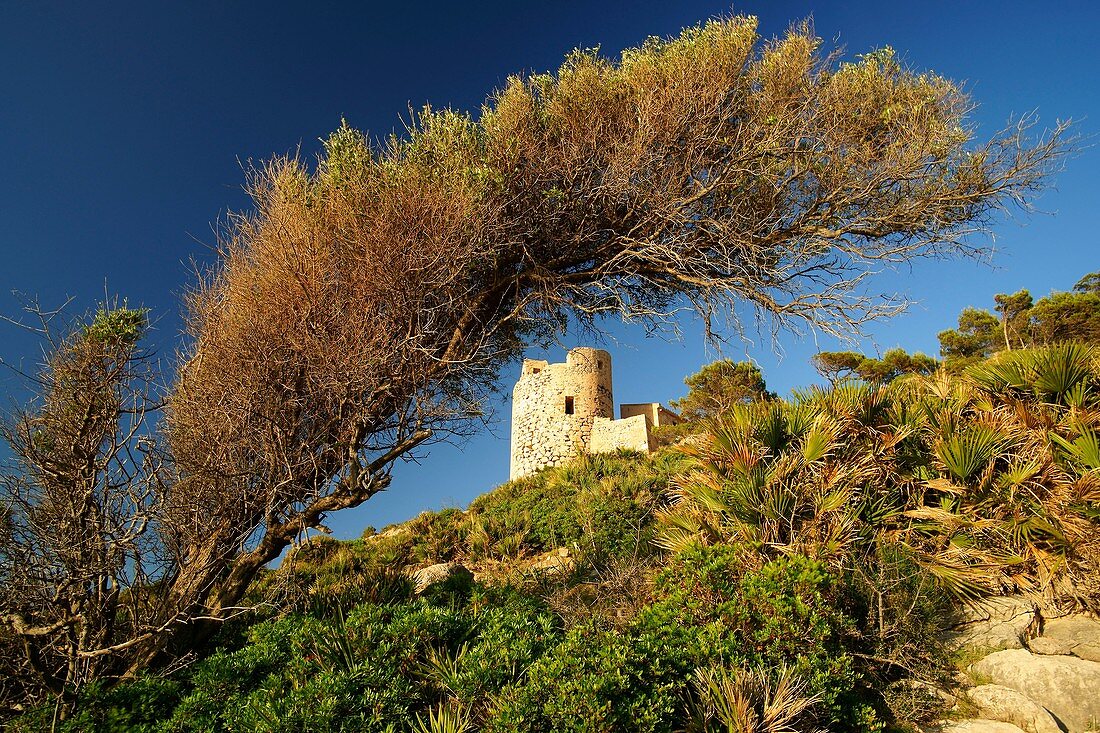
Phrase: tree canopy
x=713 y=391
x=837 y=365
x=718 y=386
x=368 y=303
x=1022 y=322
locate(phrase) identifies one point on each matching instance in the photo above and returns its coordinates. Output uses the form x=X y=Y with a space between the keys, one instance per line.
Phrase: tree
x=78 y=550
x=1024 y=323
x=1088 y=284
x=365 y=306
x=1014 y=311
x=838 y=365
x=718 y=386
x=977 y=336
x=1063 y=317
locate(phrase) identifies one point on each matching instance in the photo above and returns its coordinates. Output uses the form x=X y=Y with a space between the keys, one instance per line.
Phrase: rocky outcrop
x=1046 y=645
x=977 y=726
x=1078 y=635
x=1067 y=687
x=440 y=573
x=1043 y=672
x=996 y=623
x=559 y=561
x=1004 y=704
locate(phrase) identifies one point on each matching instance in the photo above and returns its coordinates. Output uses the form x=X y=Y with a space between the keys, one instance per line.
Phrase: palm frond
x=1084 y=451
x=1059 y=369
x=965 y=454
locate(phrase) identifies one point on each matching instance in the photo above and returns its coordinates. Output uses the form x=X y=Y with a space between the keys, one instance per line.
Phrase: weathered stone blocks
x=560 y=411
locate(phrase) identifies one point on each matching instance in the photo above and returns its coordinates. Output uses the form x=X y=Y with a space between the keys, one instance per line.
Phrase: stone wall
x=631 y=433
x=655 y=412
x=554 y=407
x=560 y=411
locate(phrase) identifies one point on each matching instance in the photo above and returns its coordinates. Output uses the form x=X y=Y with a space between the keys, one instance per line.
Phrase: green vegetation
x=1022 y=322
x=984 y=481
x=812 y=547
x=713 y=390
x=786 y=565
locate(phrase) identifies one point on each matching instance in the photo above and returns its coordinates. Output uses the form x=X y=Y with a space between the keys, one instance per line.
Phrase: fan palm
x=986 y=480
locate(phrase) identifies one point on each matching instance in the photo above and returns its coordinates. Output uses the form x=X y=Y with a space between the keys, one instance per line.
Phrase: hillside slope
x=833 y=561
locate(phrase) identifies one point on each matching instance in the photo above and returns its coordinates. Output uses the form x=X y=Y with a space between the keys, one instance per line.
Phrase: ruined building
x=562 y=410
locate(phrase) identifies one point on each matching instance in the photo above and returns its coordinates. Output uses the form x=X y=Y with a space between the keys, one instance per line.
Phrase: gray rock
x=1010 y=706
x=997 y=623
x=559 y=561
x=977 y=726
x=433 y=574
x=1046 y=645
x=1067 y=687
x=1080 y=634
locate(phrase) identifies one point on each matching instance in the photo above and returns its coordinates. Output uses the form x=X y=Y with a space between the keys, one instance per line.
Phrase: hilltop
x=850 y=558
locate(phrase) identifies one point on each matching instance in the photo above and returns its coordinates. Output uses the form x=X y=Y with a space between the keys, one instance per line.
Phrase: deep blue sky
x=123 y=127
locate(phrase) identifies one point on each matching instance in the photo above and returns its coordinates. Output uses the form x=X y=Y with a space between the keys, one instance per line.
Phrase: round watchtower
x=554 y=405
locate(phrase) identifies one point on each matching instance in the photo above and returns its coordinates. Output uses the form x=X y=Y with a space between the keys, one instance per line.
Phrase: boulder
x=1079 y=634
x=1010 y=706
x=434 y=574
x=1001 y=622
x=1046 y=645
x=977 y=726
x=1067 y=687
x=557 y=561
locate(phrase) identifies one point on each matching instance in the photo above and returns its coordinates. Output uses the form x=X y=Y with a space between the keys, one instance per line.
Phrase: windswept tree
x=79 y=504
x=367 y=304
x=838 y=365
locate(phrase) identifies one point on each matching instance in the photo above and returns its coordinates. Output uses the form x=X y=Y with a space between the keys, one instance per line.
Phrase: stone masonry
x=562 y=410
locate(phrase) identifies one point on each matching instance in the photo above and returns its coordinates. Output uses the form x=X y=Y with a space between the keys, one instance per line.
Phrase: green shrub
x=602 y=504
x=596 y=681
x=380 y=666
x=709 y=610
x=788 y=614
x=221 y=681
x=324 y=576
x=138 y=706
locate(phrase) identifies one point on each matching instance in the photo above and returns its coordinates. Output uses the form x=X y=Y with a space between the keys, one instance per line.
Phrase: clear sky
x=123 y=127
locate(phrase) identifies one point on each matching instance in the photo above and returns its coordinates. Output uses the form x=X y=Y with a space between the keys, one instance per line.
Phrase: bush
x=138 y=706
x=222 y=680
x=596 y=681
x=788 y=614
x=710 y=611
x=379 y=667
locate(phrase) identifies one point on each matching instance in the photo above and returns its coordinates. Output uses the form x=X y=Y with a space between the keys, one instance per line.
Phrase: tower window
x=599 y=364
x=568 y=405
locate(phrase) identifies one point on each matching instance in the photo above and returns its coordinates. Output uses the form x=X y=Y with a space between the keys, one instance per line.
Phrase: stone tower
x=554 y=407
